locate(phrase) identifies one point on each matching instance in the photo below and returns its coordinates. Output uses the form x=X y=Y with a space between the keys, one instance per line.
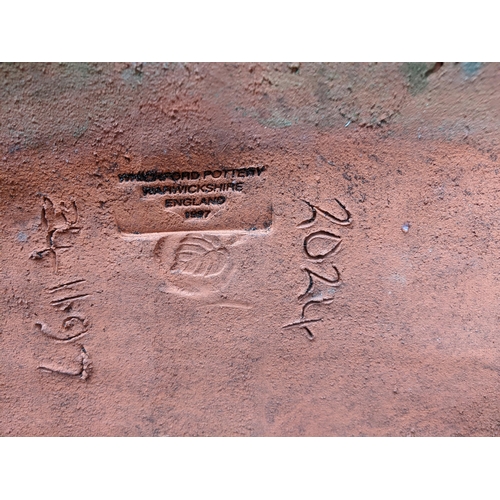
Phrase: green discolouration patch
x=81 y=70
x=416 y=73
x=276 y=121
x=471 y=68
x=133 y=74
x=80 y=130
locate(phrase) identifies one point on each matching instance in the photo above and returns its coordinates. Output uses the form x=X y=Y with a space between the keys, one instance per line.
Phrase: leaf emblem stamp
x=196 y=265
x=200 y=256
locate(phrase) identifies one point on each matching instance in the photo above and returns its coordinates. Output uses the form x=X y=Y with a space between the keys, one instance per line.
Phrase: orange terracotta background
x=350 y=288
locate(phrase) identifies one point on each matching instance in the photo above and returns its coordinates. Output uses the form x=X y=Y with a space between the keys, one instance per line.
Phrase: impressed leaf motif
x=200 y=256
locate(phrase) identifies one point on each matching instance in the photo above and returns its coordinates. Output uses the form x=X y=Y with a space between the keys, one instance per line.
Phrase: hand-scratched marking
x=332 y=282
x=309 y=334
x=324 y=235
x=65 y=285
x=325 y=301
x=58 y=221
x=74 y=328
x=329 y=216
x=331 y=243
x=83 y=372
x=302 y=325
x=66 y=303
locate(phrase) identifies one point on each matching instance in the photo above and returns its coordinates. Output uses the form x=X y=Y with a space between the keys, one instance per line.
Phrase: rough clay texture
x=157 y=331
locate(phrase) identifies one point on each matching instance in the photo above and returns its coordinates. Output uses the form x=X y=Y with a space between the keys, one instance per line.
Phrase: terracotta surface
x=250 y=249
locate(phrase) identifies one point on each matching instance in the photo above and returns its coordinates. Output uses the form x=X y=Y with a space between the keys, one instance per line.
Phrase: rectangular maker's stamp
x=162 y=200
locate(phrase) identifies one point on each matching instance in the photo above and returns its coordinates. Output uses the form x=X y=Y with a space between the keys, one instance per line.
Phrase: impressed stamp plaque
x=168 y=199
